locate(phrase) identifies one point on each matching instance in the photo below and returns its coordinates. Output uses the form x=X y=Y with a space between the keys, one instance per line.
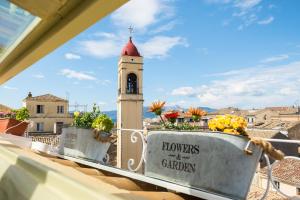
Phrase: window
x=277 y=184
x=16 y=23
x=297 y=191
x=132 y=84
x=180 y=120
x=39 y=127
x=60 y=109
x=40 y=109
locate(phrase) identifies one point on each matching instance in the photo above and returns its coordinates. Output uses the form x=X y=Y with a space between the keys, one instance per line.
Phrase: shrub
x=103 y=123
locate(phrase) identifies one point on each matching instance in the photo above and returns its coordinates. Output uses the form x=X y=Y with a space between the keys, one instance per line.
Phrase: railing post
x=131 y=145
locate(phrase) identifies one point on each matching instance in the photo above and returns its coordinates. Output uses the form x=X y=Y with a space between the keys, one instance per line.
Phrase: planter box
x=80 y=143
x=19 y=129
x=211 y=162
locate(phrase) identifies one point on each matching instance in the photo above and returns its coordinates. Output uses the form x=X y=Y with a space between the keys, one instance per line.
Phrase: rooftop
x=45 y=97
x=130 y=49
x=286 y=171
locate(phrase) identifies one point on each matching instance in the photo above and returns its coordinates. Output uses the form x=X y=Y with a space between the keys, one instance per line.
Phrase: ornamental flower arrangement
x=230 y=124
x=236 y=125
x=171 y=116
x=157 y=108
x=196 y=113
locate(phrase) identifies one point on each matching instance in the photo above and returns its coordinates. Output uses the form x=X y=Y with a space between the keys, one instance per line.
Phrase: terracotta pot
x=19 y=129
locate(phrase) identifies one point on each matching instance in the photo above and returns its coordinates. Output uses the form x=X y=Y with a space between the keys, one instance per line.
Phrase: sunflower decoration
x=157 y=107
x=230 y=124
x=196 y=113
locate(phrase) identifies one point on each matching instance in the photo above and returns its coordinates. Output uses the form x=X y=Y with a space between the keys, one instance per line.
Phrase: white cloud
x=72 y=56
x=247 y=4
x=185 y=91
x=181 y=103
x=166 y=27
x=38 y=76
x=245 y=11
x=101 y=48
x=106 y=35
x=76 y=75
x=9 y=87
x=275 y=58
x=104 y=82
x=253 y=87
x=141 y=13
x=266 y=21
x=155 y=47
x=159 y=46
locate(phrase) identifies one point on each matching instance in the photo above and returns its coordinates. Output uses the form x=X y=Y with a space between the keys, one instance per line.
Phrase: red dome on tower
x=130 y=49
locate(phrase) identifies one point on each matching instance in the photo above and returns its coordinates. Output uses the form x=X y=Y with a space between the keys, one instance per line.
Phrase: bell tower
x=129 y=103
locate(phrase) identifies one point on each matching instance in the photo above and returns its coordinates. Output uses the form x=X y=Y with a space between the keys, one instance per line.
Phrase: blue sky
x=216 y=53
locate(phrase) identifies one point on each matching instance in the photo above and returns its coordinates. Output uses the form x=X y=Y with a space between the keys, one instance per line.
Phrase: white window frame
x=60 y=109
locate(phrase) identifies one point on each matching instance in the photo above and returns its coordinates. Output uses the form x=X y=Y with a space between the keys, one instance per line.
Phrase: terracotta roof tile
x=4 y=108
x=287 y=171
x=45 y=97
x=256 y=193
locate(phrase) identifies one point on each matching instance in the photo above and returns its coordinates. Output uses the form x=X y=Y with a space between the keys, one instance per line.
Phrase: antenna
x=67 y=95
x=297 y=105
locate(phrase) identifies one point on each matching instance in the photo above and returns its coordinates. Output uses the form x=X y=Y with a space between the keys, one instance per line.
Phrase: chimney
x=29 y=94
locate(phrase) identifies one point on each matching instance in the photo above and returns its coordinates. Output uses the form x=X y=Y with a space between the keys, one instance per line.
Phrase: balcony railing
x=135 y=134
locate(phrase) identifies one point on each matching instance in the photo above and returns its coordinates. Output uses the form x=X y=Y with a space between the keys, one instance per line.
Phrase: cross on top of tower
x=130 y=49
x=130 y=31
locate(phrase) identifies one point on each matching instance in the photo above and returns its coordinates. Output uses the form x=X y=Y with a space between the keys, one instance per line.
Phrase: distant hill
x=113 y=113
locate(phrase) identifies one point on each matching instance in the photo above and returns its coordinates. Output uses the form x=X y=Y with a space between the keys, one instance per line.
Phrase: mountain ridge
x=146 y=114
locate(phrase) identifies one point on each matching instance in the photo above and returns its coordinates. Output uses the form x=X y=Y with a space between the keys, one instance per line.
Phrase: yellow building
x=47 y=112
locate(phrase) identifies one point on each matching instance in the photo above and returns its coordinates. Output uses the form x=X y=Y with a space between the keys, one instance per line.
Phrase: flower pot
x=13 y=126
x=80 y=143
x=211 y=162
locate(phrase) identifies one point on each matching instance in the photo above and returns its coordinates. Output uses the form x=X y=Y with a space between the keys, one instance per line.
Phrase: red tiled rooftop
x=287 y=171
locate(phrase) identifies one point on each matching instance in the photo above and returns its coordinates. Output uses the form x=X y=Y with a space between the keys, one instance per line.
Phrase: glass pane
x=15 y=24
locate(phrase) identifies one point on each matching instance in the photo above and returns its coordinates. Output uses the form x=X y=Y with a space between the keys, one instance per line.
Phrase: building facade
x=48 y=113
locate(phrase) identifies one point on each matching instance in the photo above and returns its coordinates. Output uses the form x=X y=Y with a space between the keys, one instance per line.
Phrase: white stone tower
x=130 y=103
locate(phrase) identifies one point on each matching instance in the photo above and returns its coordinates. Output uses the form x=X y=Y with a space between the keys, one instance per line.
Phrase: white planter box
x=80 y=143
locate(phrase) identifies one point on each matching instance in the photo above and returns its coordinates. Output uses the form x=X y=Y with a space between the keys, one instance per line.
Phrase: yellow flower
x=76 y=114
x=229 y=124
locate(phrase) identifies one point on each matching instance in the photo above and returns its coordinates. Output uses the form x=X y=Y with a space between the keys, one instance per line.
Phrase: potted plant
x=102 y=126
x=14 y=122
x=83 y=139
x=222 y=160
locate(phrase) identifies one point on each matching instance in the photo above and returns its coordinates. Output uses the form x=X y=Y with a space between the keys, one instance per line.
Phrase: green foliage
x=94 y=119
x=85 y=120
x=103 y=123
x=180 y=127
x=21 y=114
